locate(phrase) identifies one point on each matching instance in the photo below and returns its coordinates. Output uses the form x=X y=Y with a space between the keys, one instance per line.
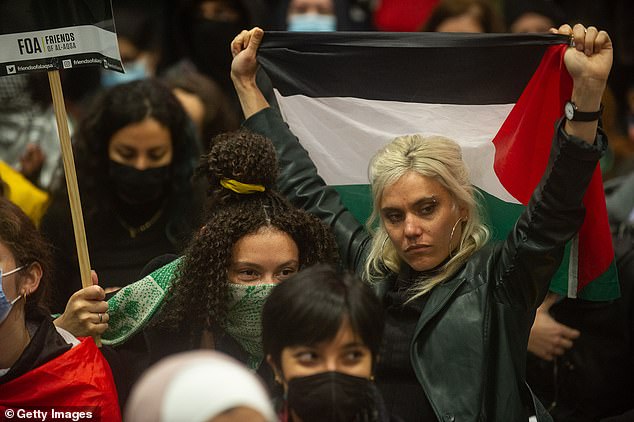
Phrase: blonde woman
x=459 y=308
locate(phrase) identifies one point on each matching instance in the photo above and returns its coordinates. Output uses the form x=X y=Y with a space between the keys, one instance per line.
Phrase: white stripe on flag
x=342 y=134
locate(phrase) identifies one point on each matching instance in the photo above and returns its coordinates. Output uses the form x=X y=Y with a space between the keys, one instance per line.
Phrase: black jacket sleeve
x=301 y=184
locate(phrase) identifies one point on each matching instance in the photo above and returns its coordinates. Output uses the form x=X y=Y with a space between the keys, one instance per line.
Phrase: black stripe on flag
x=446 y=68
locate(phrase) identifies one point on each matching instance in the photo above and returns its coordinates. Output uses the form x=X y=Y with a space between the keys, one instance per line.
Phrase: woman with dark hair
x=135 y=153
x=32 y=347
x=321 y=333
x=212 y=296
x=203 y=100
x=197 y=33
x=200 y=30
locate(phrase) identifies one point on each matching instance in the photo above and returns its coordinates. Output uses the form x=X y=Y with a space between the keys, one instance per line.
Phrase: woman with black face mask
x=321 y=334
x=135 y=154
x=199 y=32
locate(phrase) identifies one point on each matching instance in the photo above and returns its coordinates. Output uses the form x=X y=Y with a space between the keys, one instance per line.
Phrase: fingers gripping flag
x=345 y=95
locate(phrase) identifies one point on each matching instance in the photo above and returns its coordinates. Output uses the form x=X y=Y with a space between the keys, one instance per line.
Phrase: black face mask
x=333 y=397
x=210 y=47
x=137 y=187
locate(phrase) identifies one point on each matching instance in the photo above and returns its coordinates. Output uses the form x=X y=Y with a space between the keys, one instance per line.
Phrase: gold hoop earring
x=453 y=230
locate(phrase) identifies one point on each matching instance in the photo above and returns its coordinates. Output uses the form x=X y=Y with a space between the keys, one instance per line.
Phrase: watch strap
x=586 y=116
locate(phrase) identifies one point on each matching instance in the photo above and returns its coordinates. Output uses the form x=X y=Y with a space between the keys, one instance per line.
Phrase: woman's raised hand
x=244 y=48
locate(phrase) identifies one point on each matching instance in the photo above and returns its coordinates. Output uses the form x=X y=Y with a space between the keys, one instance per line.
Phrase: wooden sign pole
x=71 y=179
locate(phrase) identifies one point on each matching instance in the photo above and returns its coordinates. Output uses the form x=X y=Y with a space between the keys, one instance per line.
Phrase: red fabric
x=80 y=377
x=526 y=135
x=403 y=15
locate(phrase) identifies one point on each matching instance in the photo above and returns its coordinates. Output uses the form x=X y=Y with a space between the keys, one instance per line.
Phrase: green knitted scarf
x=134 y=305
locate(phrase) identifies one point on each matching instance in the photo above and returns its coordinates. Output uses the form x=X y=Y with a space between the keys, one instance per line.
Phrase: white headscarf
x=195 y=387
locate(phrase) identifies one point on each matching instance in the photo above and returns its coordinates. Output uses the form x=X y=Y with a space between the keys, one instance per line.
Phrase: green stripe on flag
x=602 y=287
x=358 y=200
x=499 y=215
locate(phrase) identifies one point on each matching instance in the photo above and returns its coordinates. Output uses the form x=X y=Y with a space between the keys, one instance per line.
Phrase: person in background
x=197 y=33
x=139 y=38
x=320 y=16
x=458 y=307
x=199 y=386
x=532 y=16
x=28 y=131
x=200 y=30
x=136 y=151
x=41 y=364
x=203 y=100
x=139 y=44
x=476 y=16
x=550 y=339
x=17 y=189
x=311 y=15
x=321 y=334
x=581 y=363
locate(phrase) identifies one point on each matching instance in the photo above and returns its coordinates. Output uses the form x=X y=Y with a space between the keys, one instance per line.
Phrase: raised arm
x=534 y=249
x=244 y=68
x=298 y=180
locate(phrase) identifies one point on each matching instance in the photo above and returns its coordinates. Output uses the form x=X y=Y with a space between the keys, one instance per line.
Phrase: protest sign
x=44 y=35
x=48 y=35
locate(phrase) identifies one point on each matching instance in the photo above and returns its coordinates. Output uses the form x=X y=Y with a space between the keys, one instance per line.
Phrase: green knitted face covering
x=244 y=318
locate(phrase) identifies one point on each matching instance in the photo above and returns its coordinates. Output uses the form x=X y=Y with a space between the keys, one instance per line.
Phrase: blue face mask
x=5 y=304
x=312 y=22
x=134 y=71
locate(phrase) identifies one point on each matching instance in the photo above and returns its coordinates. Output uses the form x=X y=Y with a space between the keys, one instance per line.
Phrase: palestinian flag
x=78 y=380
x=499 y=95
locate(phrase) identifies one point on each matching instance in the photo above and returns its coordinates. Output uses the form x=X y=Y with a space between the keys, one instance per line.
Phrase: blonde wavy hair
x=436 y=157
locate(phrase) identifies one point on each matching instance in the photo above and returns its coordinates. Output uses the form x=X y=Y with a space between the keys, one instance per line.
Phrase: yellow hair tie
x=239 y=187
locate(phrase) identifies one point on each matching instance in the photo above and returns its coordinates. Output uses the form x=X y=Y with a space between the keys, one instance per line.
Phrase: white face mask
x=312 y=22
x=5 y=304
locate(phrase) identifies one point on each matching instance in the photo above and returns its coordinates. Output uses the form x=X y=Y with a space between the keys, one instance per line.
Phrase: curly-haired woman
x=252 y=239
x=135 y=152
x=212 y=297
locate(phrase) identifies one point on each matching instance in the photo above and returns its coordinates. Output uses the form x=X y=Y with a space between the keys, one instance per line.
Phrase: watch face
x=569 y=109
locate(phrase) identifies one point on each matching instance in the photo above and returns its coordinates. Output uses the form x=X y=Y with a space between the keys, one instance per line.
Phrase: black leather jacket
x=469 y=347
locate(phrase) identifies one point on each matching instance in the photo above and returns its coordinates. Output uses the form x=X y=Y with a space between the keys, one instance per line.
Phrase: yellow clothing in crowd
x=19 y=190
